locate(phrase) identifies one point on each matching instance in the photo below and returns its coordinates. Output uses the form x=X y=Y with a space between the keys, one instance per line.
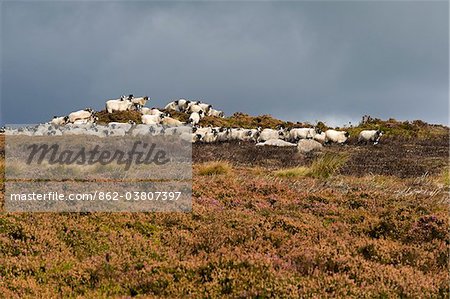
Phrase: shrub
x=214 y=168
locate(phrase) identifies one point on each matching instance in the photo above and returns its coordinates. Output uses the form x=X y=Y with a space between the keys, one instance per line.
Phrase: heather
x=376 y=226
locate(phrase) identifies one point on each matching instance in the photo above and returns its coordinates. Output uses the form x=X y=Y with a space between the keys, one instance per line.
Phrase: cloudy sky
x=306 y=61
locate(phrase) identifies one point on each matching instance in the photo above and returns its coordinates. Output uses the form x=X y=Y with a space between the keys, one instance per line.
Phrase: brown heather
x=377 y=227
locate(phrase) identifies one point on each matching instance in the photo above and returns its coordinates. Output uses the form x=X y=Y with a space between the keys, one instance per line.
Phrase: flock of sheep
x=155 y=121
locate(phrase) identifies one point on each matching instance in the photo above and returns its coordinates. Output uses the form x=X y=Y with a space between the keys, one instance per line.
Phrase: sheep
x=81 y=114
x=178 y=105
x=59 y=120
x=336 y=136
x=195 y=117
x=267 y=134
x=151 y=119
x=296 y=134
x=194 y=108
x=139 y=101
x=183 y=105
x=320 y=137
x=172 y=122
x=201 y=131
x=118 y=105
x=276 y=142
x=222 y=135
x=242 y=134
x=214 y=112
x=172 y=106
x=153 y=111
x=370 y=135
x=205 y=107
x=210 y=137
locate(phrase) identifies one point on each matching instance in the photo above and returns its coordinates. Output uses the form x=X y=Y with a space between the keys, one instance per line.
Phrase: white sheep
x=268 y=134
x=210 y=137
x=336 y=136
x=152 y=111
x=172 y=122
x=194 y=108
x=139 y=101
x=296 y=134
x=205 y=107
x=195 y=117
x=183 y=104
x=151 y=119
x=59 y=120
x=214 y=112
x=178 y=105
x=370 y=135
x=275 y=142
x=118 y=105
x=320 y=137
x=81 y=114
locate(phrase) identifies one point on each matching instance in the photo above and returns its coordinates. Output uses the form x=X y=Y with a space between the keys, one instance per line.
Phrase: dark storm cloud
x=332 y=61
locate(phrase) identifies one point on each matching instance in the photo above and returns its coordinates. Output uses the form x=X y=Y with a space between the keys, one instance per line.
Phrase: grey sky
x=306 y=61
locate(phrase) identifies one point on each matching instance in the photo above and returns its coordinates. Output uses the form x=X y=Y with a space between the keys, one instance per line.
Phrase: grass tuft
x=321 y=168
x=327 y=165
x=445 y=177
x=293 y=172
x=214 y=168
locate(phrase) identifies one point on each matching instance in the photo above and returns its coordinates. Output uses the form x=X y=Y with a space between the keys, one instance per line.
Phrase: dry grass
x=118 y=116
x=214 y=168
x=327 y=165
x=445 y=176
x=293 y=172
x=322 y=167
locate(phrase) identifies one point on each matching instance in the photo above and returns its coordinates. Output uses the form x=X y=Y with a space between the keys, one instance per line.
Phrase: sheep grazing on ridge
x=268 y=134
x=193 y=107
x=153 y=111
x=333 y=136
x=91 y=120
x=81 y=114
x=195 y=117
x=205 y=107
x=151 y=119
x=180 y=105
x=320 y=137
x=59 y=120
x=295 y=134
x=139 y=101
x=118 y=105
x=171 y=122
x=370 y=135
x=214 y=112
x=276 y=142
x=210 y=137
